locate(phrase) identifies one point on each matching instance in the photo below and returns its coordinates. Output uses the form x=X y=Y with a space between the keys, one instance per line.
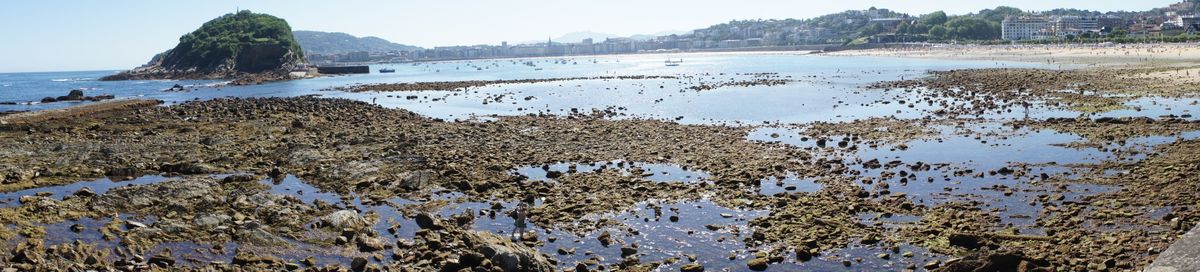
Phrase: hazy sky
x=57 y=35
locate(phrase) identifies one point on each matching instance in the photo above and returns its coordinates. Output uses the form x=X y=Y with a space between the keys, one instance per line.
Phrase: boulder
x=470 y=259
x=85 y=192
x=968 y=241
x=343 y=219
x=74 y=95
x=370 y=244
x=627 y=251
x=249 y=259
x=189 y=168
x=358 y=264
x=605 y=238
x=757 y=264
x=415 y=180
x=163 y=259
x=428 y=221
x=507 y=255
x=122 y=172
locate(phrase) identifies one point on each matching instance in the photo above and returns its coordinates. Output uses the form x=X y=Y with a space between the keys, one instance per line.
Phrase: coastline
x=426 y=157
x=1167 y=64
x=1105 y=55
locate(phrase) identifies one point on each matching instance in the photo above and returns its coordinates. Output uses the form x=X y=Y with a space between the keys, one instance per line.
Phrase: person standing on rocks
x=519 y=224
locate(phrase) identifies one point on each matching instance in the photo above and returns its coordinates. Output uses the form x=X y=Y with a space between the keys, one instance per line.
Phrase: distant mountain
x=575 y=37
x=645 y=37
x=328 y=43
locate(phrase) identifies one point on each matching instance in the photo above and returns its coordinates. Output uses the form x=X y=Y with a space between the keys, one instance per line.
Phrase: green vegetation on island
x=233 y=46
x=227 y=36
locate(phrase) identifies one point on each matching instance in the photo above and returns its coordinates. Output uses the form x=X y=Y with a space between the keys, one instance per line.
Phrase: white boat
x=670 y=62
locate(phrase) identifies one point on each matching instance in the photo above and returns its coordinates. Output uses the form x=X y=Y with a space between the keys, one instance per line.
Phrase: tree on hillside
x=933 y=19
x=1119 y=33
x=872 y=29
x=972 y=28
x=937 y=32
x=999 y=13
x=926 y=22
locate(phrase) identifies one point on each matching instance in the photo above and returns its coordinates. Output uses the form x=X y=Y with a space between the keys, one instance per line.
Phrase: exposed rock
x=605 y=238
x=85 y=192
x=358 y=264
x=757 y=264
x=249 y=259
x=427 y=221
x=994 y=261
x=370 y=244
x=415 y=180
x=628 y=251
x=163 y=259
x=507 y=255
x=343 y=219
x=189 y=168
x=968 y=241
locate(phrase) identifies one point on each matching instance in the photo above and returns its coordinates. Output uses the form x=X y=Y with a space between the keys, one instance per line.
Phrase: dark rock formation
x=244 y=47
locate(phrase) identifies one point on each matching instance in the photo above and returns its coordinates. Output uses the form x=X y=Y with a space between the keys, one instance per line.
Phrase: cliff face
x=243 y=46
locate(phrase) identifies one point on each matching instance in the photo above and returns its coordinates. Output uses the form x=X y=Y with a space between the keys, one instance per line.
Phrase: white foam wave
x=69 y=79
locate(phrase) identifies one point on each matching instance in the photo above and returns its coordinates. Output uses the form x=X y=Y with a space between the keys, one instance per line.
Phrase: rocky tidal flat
x=335 y=184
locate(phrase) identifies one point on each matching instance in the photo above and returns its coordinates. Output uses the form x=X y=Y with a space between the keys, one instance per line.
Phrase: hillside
x=884 y=25
x=329 y=43
x=239 y=45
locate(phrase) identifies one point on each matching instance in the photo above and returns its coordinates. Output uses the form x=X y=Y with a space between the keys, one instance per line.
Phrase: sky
x=59 y=35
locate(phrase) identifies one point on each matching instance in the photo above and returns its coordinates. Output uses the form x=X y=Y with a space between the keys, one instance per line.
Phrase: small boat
x=387 y=70
x=671 y=63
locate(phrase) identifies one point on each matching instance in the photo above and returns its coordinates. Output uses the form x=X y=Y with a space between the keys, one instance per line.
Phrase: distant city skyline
x=58 y=35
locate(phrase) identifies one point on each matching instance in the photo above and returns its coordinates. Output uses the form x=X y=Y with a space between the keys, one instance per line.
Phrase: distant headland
x=244 y=47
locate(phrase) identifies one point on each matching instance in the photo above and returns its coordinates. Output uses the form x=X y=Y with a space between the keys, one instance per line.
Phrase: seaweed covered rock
x=243 y=46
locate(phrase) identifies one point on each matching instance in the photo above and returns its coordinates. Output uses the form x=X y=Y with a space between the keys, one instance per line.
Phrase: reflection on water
x=825 y=88
x=659 y=172
x=790 y=183
x=98 y=186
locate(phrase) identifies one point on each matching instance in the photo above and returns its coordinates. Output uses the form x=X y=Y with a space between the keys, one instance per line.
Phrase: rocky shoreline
x=387 y=189
x=697 y=82
x=234 y=78
x=464 y=85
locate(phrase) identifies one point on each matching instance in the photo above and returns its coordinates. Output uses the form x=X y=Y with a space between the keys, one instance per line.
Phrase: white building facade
x=1023 y=28
x=1033 y=28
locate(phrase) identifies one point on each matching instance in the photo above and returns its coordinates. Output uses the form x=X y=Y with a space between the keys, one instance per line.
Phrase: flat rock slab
x=1183 y=256
x=79 y=110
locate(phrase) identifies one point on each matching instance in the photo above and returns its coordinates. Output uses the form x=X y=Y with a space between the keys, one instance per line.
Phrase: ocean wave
x=70 y=79
x=217 y=84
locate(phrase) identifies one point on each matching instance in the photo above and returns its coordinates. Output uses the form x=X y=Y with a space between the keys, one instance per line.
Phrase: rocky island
x=244 y=47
